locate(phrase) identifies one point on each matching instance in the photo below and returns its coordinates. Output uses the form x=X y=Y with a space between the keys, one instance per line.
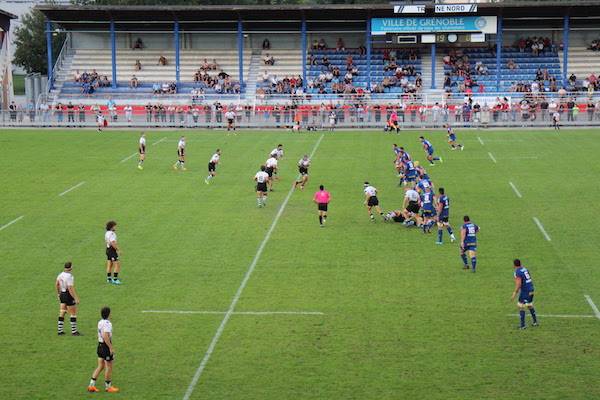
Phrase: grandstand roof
x=7 y=14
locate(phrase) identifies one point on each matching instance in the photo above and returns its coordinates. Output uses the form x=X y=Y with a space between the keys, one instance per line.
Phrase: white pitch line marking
x=591 y=303
x=480 y=141
x=559 y=315
x=11 y=222
x=234 y=313
x=159 y=141
x=72 y=188
x=514 y=188
x=492 y=157
x=238 y=294
x=128 y=157
x=541 y=227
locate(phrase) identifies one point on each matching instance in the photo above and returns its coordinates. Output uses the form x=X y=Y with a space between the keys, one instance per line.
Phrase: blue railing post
x=368 y=45
x=49 y=53
x=303 y=40
x=433 y=65
x=176 y=44
x=499 y=41
x=565 y=65
x=113 y=53
x=240 y=43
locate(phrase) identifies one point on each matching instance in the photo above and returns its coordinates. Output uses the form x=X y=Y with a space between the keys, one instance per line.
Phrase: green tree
x=30 y=42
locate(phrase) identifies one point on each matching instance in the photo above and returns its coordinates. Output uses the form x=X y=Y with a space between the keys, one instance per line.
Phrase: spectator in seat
x=165 y=88
x=77 y=76
x=511 y=64
x=265 y=76
x=325 y=61
x=412 y=56
x=138 y=44
x=349 y=61
x=162 y=60
x=322 y=45
x=205 y=66
x=133 y=82
x=315 y=44
x=214 y=65
x=156 y=88
x=340 y=45
x=572 y=80
x=268 y=59
x=266 y=45
x=138 y=65
x=362 y=50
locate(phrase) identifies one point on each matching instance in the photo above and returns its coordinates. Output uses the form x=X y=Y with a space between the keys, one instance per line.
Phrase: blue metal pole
x=368 y=45
x=499 y=53
x=49 y=50
x=565 y=49
x=176 y=43
x=240 y=43
x=303 y=40
x=433 y=65
x=113 y=53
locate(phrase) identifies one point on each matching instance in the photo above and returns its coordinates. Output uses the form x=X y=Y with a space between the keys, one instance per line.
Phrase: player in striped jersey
x=303 y=165
x=142 y=150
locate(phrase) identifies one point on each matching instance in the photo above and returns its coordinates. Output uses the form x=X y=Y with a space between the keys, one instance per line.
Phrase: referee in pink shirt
x=322 y=198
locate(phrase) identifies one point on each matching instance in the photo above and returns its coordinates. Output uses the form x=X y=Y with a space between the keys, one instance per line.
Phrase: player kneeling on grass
x=523 y=286
x=65 y=289
x=261 y=178
x=322 y=199
x=106 y=354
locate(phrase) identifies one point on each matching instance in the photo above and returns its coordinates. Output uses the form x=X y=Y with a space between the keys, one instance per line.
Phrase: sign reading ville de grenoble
x=381 y=26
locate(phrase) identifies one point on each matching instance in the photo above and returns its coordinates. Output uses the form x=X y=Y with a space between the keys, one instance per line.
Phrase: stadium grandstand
x=501 y=62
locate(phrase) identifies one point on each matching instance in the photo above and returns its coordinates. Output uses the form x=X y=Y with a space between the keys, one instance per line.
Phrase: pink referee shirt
x=322 y=197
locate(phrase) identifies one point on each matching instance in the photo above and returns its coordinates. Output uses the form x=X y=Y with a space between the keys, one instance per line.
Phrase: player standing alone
x=322 y=198
x=443 y=216
x=452 y=139
x=100 y=120
x=468 y=240
x=371 y=200
x=428 y=147
x=65 y=289
x=523 y=286
x=230 y=117
x=303 y=165
x=212 y=166
x=180 y=154
x=261 y=178
x=112 y=254
x=106 y=354
x=142 y=150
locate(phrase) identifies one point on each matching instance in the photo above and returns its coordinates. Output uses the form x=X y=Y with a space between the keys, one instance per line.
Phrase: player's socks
x=320 y=220
x=107 y=384
x=371 y=216
x=450 y=232
x=464 y=259
x=474 y=262
x=108 y=277
x=440 y=234
x=522 y=318
x=324 y=220
x=92 y=382
x=73 y=325
x=533 y=316
x=61 y=325
x=258 y=201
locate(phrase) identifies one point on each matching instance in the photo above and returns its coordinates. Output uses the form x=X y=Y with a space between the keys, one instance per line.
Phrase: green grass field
x=400 y=320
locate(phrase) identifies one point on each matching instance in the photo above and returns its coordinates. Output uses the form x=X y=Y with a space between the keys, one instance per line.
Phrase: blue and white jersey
x=427 y=146
x=405 y=156
x=444 y=201
x=397 y=151
x=526 y=280
x=451 y=135
x=471 y=234
x=427 y=200
x=424 y=184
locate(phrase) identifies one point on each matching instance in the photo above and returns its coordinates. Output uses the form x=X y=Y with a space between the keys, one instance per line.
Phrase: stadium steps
x=252 y=79
x=582 y=62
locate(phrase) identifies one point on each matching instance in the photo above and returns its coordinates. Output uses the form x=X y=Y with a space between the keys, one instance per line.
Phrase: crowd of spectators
x=90 y=81
x=275 y=85
x=537 y=45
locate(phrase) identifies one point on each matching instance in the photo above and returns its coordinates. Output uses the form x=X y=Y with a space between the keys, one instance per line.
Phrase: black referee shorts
x=104 y=352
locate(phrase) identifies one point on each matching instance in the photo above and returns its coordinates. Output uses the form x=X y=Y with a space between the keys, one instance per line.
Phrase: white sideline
x=591 y=303
x=514 y=188
x=541 y=227
x=238 y=294
x=480 y=141
x=128 y=157
x=234 y=313
x=157 y=142
x=492 y=157
x=11 y=222
x=72 y=188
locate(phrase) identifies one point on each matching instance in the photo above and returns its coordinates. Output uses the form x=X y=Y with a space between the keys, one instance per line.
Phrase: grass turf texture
x=402 y=320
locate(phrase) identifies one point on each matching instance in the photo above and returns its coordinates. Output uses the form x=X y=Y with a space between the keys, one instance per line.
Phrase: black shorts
x=443 y=219
x=303 y=170
x=373 y=201
x=180 y=153
x=230 y=121
x=261 y=187
x=111 y=254
x=270 y=172
x=398 y=218
x=322 y=206
x=104 y=352
x=413 y=207
x=142 y=150
x=66 y=298
x=212 y=167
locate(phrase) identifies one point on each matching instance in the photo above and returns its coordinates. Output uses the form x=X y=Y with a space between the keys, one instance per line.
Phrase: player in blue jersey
x=428 y=209
x=524 y=287
x=423 y=182
x=409 y=176
x=468 y=243
x=452 y=139
x=428 y=147
x=398 y=158
x=443 y=216
x=421 y=172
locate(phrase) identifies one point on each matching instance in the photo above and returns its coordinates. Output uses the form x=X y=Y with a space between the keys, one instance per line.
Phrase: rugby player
x=142 y=150
x=468 y=240
x=106 y=354
x=212 y=166
x=428 y=209
x=428 y=147
x=411 y=206
x=322 y=199
x=393 y=122
x=100 y=120
x=68 y=297
x=303 y=165
x=271 y=169
x=180 y=154
x=452 y=139
x=230 y=117
x=261 y=178
x=277 y=152
x=556 y=121
x=371 y=200
x=443 y=216
x=523 y=286
x=112 y=254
